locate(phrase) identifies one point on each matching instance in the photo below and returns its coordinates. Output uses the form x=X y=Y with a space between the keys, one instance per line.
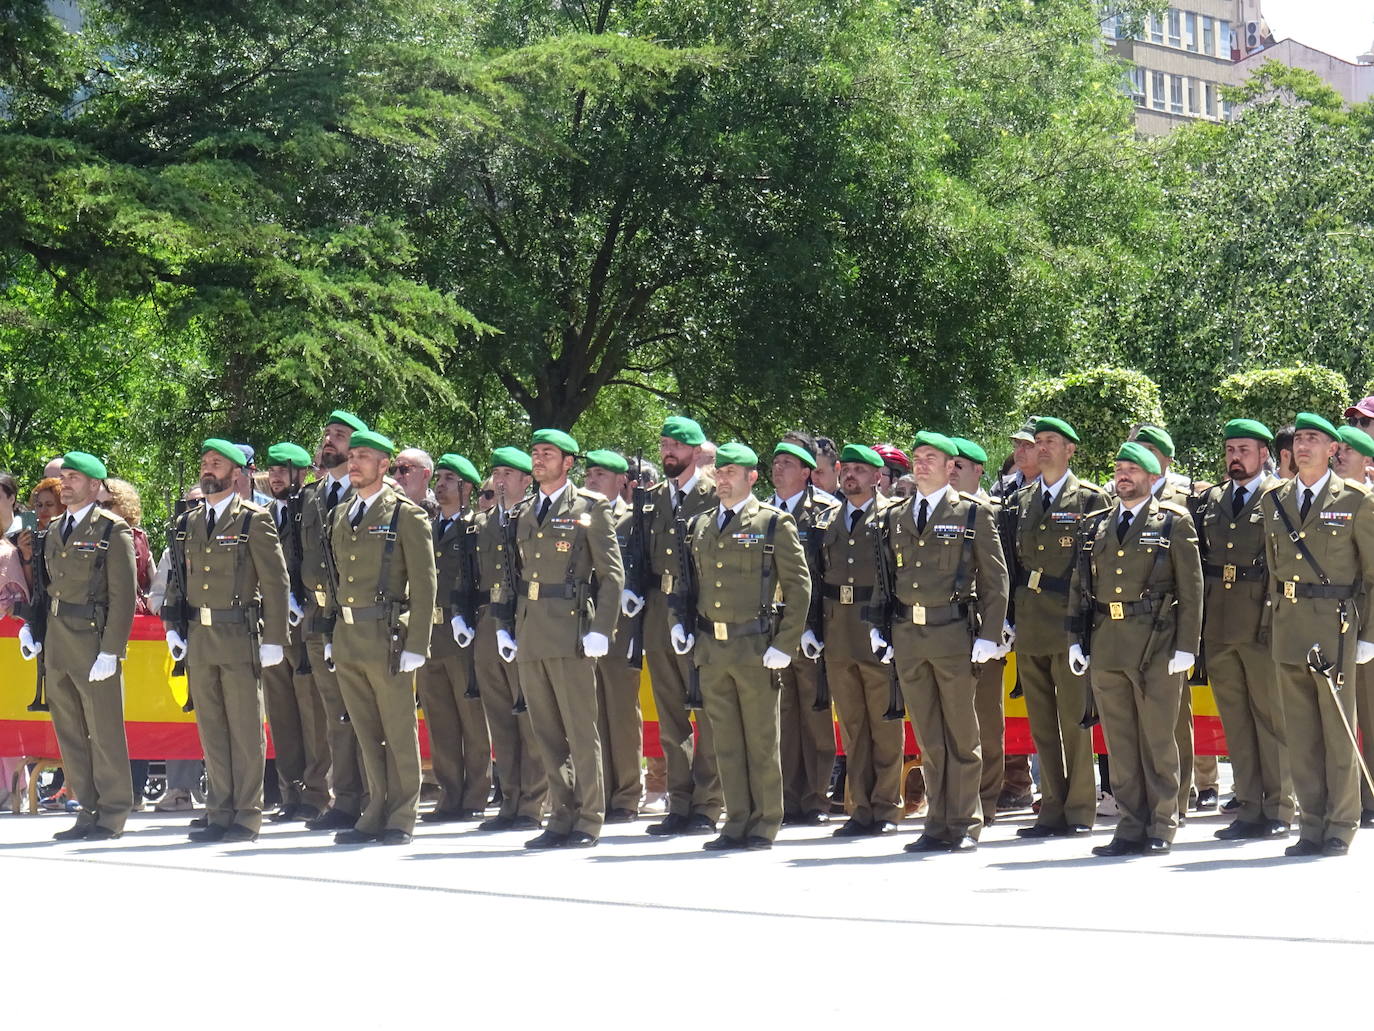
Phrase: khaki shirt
x=1234 y=570
x=71 y=578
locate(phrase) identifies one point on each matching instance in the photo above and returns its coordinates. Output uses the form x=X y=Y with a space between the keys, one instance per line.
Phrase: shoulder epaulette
x=1091 y=487
x=253 y=506
x=771 y=508
x=975 y=498
x=1357 y=487
x=1174 y=507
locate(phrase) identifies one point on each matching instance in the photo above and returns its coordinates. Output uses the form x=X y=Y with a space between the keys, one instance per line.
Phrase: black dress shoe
x=1240 y=830
x=580 y=839
x=353 y=836
x=286 y=814
x=444 y=815
x=1076 y=830
x=1158 y=847
x=1232 y=805
x=758 y=843
x=927 y=843
x=852 y=828
x=811 y=818
x=238 y=832
x=525 y=823
x=1303 y=847
x=1007 y=802
x=880 y=827
x=1367 y=819
x=700 y=823
x=332 y=820
x=1039 y=830
x=1119 y=847
x=549 y=839
x=306 y=811
x=496 y=823
x=99 y=833
x=212 y=832
x=964 y=844
x=1206 y=799
x=724 y=843
x=199 y=821
x=1330 y=847
x=76 y=833
x=620 y=816
x=673 y=823
x=1275 y=829
x=395 y=836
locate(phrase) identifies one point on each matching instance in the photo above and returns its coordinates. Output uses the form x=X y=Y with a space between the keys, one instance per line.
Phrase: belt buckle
x=1290 y=590
x=533 y=592
x=321 y=599
x=1228 y=574
x=665 y=583
x=438 y=616
x=846 y=595
x=205 y=616
x=347 y=613
x=1033 y=581
x=1117 y=609
x=52 y=605
x=495 y=594
x=721 y=631
x=918 y=615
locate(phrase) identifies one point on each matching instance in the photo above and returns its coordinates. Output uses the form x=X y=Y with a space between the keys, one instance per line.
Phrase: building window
x=1209 y=37
x=1209 y=100
x=1193 y=97
x=1157 y=90
x=1176 y=94
x=1175 y=27
x=1224 y=38
x=1226 y=109
x=1136 y=82
x=1156 y=28
x=1190 y=31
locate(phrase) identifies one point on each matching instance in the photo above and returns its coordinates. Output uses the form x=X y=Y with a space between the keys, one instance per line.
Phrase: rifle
x=1087 y=614
x=1008 y=527
x=637 y=563
x=295 y=560
x=880 y=610
x=683 y=602
x=36 y=616
x=512 y=584
x=176 y=575
x=815 y=614
x=331 y=575
x=464 y=599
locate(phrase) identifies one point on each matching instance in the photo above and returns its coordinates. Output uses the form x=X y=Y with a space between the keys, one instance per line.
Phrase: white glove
x=1008 y=635
x=630 y=603
x=294 y=612
x=682 y=641
x=594 y=645
x=410 y=662
x=811 y=647
x=1364 y=651
x=28 y=647
x=881 y=649
x=1182 y=662
x=983 y=650
x=774 y=659
x=176 y=644
x=103 y=668
x=1078 y=662
x=505 y=645
x=462 y=633
x=270 y=655
x=329 y=655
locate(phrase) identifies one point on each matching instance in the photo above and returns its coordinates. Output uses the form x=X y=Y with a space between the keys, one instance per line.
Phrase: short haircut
x=1283 y=438
x=803 y=440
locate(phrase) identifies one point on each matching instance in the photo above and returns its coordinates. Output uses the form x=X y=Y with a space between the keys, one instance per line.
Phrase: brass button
x=1120 y=554
x=920 y=544
x=1119 y=572
x=1228 y=586
x=851 y=542
x=720 y=565
x=851 y=579
x=1118 y=590
x=537 y=555
x=717 y=604
x=350 y=579
x=207 y=569
x=668 y=550
x=717 y=583
x=353 y=558
x=1229 y=544
x=918 y=564
x=1042 y=526
x=204 y=587
x=1233 y=526
x=350 y=600
x=540 y=534
x=1039 y=547
x=850 y=561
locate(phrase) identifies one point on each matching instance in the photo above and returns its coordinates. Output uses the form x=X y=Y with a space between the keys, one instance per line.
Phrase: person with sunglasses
x=412 y=472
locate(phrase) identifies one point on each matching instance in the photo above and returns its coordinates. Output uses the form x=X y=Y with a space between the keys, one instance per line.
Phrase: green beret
x=1157 y=436
x=557 y=438
x=929 y=438
x=1249 y=429
x=1049 y=424
x=461 y=466
x=683 y=430
x=861 y=453
x=292 y=455
x=512 y=458
x=968 y=449
x=1140 y=455
x=86 y=463
x=223 y=447
x=1308 y=421
x=346 y=419
x=1358 y=439
x=608 y=460
x=736 y=453
x=796 y=452
x=373 y=440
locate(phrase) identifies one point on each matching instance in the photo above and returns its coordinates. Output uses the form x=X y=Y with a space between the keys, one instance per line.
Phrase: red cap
x=1363 y=407
x=893 y=456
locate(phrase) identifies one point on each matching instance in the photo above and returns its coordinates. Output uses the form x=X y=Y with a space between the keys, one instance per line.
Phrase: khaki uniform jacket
x=70 y=568
x=214 y=563
x=1123 y=572
x=925 y=566
x=576 y=545
x=1046 y=543
x=491 y=555
x=1339 y=531
x=1233 y=568
x=411 y=578
x=314 y=520
x=449 y=564
x=729 y=571
x=813 y=516
x=850 y=564
x=664 y=564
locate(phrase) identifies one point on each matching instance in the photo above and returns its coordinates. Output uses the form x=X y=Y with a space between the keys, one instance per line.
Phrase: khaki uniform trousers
x=459 y=748
x=1326 y=777
x=694 y=785
x=989 y=702
x=742 y=707
x=561 y=695
x=939 y=693
x=229 y=719
x=1139 y=713
x=1364 y=709
x=620 y=726
x=296 y=718
x=1247 y=693
x=89 y=722
x=873 y=746
x=524 y=786
x=807 y=741
x=345 y=762
x=1054 y=703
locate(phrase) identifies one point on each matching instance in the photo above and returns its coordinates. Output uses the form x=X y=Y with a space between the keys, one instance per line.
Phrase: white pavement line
x=706 y=910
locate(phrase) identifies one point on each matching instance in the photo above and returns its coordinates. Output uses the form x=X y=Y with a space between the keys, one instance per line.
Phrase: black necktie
x=782 y=504
x=543 y=510
x=921 y=514
x=68 y=525
x=1123 y=526
x=725 y=519
x=854 y=518
x=281 y=517
x=358 y=515
x=333 y=498
x=1237 y=502
x=441 y=528
x=1306 y=503
x=209 y=522
x=1046 y=501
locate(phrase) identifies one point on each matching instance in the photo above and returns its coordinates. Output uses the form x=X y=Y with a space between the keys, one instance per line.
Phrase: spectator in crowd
x=121 y=498
x=486 y=496
x=413 y=470
x=46 y=501
x=14 y=590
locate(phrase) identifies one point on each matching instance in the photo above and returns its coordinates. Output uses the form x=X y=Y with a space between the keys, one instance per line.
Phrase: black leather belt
x=1038 y=582
x=536 y=590
x=846 y=594
x=1126 y=609
x=729 y=631
x=1232 y=574
x=71 y=608
x=1336 y=592
x=922 y=615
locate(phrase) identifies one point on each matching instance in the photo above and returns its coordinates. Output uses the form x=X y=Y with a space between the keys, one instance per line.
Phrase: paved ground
x=642 y=932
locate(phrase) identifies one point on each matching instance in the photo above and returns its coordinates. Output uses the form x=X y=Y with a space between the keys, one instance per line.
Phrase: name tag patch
x=562 y=523
x=1150 y=538
x=1065 y=517
x=947 y=531
x=225 y=540
x=746 y=539
x=83 y=547
x=1336 y=518
x=378 y=531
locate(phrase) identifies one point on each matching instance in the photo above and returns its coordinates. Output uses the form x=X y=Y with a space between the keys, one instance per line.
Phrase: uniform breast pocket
x=947 y=552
